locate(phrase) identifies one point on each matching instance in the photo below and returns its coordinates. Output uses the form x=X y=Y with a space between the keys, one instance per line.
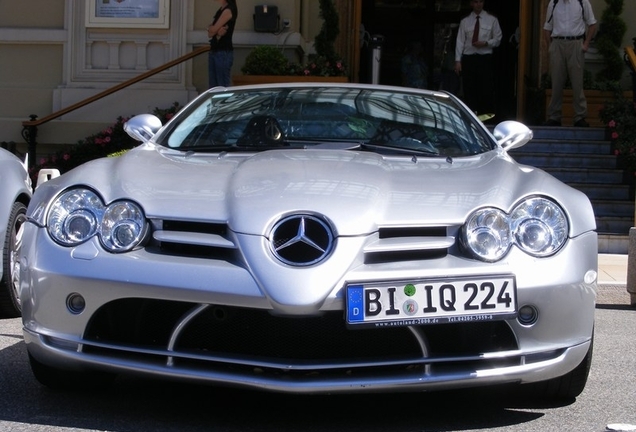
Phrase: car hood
x=357 y=192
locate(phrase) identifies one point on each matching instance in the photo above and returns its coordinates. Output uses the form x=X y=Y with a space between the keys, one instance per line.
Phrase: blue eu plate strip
x=355 y=304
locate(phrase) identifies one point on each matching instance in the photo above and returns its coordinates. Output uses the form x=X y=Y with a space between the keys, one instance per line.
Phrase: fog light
x=527 y=316
x=75 y=303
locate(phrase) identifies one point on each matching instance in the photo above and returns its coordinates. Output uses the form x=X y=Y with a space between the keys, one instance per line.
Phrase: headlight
x=537 y=225
x=540 y=226
x=79 y=214
x=487 y=234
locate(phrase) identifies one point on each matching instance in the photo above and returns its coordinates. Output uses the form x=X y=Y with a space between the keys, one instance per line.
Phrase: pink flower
x=614 y=135
x=42 y=161
x=66 y=156
x=169 y=116
x=99 y=141
x=616 y=152
x=339 y=65
x=306 y=72
x=107 y=139
x=612 y=124
x=108 y=131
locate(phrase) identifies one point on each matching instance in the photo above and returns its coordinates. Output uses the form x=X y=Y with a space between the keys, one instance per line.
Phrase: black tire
x=10 y=305
x=566 y=387
x=59 y=379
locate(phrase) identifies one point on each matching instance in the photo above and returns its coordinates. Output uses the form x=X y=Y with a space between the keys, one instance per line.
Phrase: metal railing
x=30 y=127
x=630 y=59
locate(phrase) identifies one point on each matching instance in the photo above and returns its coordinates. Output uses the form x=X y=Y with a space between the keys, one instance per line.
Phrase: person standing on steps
x=477 y=35
x=569 y=27
x=221 y=55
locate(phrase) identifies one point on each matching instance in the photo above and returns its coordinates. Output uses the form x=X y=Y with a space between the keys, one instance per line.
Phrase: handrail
x=29 y=132
x=116 y=88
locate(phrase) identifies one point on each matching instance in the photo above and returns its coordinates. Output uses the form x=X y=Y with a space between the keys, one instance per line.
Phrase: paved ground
x=612 y=280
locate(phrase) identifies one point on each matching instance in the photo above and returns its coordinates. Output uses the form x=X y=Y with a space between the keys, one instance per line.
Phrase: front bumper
x=206 y=321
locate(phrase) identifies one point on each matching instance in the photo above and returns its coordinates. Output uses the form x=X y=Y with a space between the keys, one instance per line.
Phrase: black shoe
x=581 y=123
x=552 y=122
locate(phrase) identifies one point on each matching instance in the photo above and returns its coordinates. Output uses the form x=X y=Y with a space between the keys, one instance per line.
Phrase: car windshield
x=375 y=119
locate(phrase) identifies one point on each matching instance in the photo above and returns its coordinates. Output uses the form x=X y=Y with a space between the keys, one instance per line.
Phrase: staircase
x=582 y=158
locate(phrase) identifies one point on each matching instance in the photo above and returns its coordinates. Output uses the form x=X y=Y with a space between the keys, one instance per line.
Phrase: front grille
x=215 y=241
x=220 y=336
x=398 y=244
x=192 y=239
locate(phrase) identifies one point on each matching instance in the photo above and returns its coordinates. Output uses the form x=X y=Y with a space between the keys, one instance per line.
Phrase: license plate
x=432 y=301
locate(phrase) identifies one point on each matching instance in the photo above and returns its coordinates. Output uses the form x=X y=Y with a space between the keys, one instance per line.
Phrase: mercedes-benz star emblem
x=301 y=240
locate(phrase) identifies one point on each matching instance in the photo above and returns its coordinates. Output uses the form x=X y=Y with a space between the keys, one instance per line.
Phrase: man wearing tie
x=478 y=34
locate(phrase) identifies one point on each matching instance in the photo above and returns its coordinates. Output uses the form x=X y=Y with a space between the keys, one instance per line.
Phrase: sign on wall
x=128 y=13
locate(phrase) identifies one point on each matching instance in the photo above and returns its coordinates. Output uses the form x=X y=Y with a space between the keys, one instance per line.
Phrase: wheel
x=10 y=305
x=566 y=387
x=59 y=379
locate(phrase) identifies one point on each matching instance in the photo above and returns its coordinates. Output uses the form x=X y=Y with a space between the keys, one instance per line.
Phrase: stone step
x=564 y=160
x=613 y=208
x=602 y=191
x=557 y=146
x=569 y=133
x=590 y=175
x=614 y=225
x=613 y=243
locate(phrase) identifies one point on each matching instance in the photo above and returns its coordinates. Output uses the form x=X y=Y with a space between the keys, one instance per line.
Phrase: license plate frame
x=431 y=301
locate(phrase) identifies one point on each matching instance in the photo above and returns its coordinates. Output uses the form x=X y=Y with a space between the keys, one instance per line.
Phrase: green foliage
x=609 y=40
x=265 y=60
x=109 y=142
x=620 y=117
x=269 y=60
x=325 y=40
x=319 y=66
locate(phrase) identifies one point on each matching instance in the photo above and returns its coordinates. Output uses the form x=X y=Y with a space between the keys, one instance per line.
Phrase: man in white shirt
x=477 y=35
x=569 y=27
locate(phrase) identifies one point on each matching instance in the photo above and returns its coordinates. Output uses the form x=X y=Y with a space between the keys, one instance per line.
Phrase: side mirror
x=512 y=134
x=142 y=127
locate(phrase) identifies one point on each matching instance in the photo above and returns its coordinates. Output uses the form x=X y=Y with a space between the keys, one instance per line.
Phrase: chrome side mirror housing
x=512 y=134
x=143 y=127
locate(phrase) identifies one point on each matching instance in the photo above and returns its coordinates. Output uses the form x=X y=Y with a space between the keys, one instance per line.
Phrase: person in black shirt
x=221 y=56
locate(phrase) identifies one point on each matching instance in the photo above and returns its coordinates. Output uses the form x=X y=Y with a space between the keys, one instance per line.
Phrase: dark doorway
x=434 y=23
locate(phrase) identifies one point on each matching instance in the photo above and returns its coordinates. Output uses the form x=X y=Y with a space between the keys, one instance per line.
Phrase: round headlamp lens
x=73 y=217
x=123 y=226
x=540 y=225
x=487 y=234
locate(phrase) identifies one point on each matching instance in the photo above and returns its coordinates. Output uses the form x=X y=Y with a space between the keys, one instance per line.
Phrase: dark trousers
x=478 y=77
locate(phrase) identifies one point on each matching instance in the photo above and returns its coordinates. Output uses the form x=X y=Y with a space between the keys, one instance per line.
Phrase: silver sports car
x=15 y=193
x=313 y=239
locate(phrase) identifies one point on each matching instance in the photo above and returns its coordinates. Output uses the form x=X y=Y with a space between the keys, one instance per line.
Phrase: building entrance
x=434 y=23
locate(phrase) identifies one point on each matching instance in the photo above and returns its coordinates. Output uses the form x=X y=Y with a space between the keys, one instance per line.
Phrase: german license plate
x=432 y=301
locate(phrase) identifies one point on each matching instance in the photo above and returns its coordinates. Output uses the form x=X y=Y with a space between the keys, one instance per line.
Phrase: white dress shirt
x=568 y=20
x=489 y=31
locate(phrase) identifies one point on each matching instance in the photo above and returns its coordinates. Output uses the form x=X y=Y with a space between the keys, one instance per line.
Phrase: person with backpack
x=569 y=28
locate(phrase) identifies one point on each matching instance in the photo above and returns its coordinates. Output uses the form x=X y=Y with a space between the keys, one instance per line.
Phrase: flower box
x=595 y=101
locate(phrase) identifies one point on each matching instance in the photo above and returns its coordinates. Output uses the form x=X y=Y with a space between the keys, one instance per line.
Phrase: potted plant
x=265 y=60
x=619 y=116
x=609 y=41
x=267 y=64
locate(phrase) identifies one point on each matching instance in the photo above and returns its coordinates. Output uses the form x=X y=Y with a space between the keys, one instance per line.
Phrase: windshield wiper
x=229 y=148
x=403 y=150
